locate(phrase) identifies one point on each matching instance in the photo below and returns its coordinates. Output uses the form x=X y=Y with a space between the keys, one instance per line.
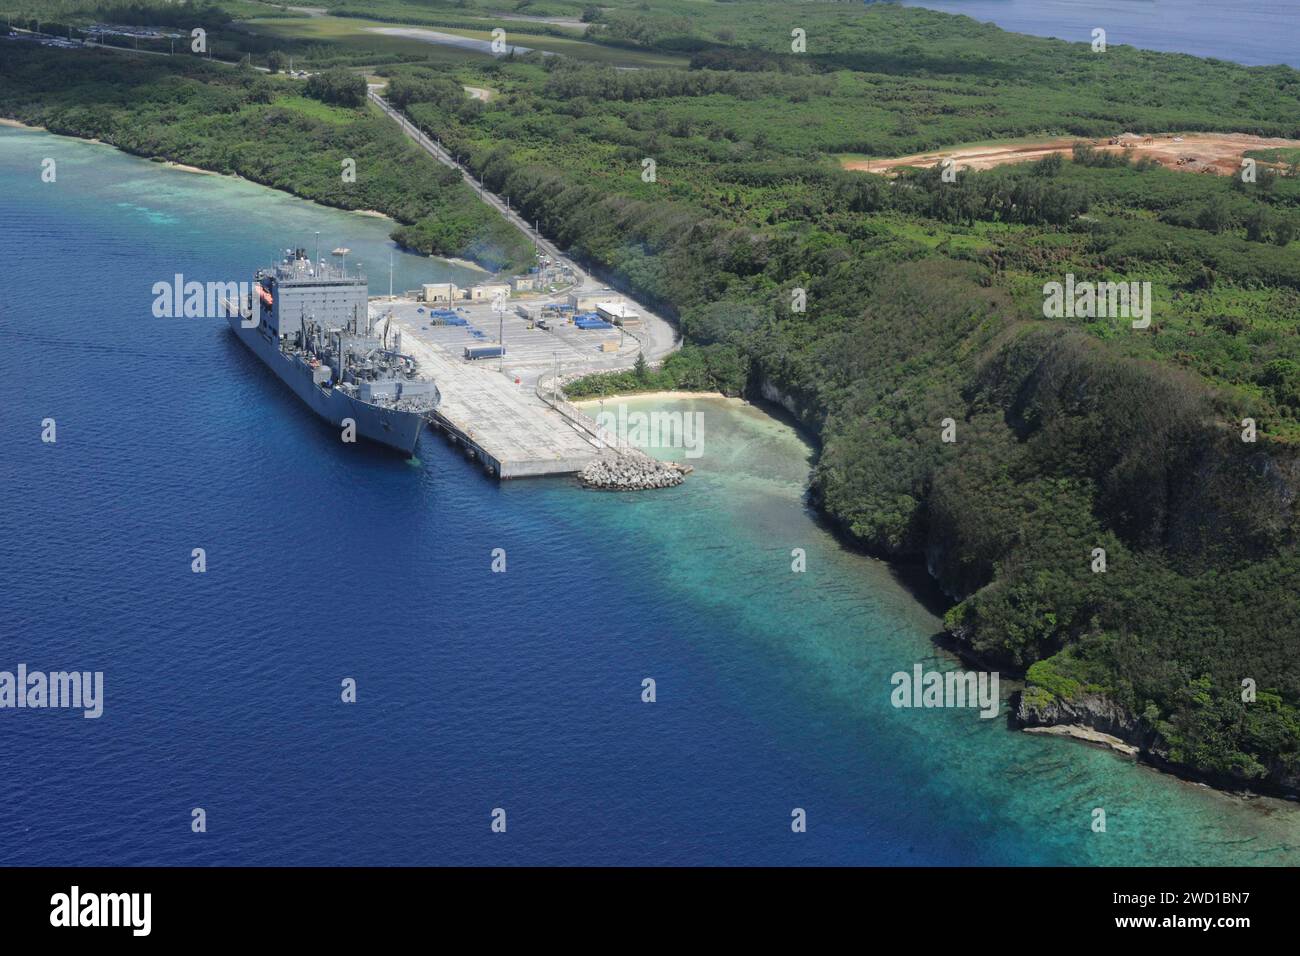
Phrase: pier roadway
x=494 y=413
x=658 y=336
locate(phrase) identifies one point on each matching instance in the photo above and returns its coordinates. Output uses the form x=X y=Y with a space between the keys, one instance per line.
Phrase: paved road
x=658 y=336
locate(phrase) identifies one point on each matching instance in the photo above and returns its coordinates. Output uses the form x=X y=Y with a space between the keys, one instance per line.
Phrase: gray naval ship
x=310 y=322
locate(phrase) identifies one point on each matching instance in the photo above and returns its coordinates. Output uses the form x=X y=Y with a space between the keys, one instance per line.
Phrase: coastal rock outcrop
x=1036 y=710
x=1094 y=711
x=771 y=393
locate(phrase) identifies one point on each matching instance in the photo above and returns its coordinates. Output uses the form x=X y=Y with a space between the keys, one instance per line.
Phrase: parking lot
x=529 y=351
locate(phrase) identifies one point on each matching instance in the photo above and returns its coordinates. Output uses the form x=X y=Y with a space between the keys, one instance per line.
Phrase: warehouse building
x=440 y=291
x=586 y=300
x=618 y=313
x=488 y=291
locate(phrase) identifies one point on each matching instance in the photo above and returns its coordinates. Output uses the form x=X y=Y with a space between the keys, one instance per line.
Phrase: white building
x=618 y=313
x=488 y=291
x=440 y=292
x=585 y=301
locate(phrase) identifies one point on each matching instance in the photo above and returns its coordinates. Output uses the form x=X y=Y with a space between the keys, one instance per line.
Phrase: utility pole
x=555 y=379
x=499 y=307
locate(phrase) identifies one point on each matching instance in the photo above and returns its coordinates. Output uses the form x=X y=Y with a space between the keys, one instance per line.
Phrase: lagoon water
x=475 y=690
x=1253 y=32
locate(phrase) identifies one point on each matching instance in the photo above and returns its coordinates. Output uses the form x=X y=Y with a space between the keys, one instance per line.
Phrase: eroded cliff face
x=1062 y=445
x=1094 y=711
x=1098 y=712
x=771 y=393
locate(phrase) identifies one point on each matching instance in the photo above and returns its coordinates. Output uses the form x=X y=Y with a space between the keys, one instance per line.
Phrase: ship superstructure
x=311 y=323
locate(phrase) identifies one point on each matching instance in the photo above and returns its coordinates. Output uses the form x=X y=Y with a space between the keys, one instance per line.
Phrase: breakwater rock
x=632 y=471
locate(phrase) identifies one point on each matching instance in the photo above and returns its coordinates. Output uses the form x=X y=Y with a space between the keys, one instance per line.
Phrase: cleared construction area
x=1189 y=152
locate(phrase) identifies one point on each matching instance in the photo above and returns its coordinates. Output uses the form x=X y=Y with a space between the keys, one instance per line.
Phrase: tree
x=641 y=369
x=1214 y=216
x=1049 y=165
x=1258 y=224
x=275 y=61
x=1283 y=232
x=337 y=86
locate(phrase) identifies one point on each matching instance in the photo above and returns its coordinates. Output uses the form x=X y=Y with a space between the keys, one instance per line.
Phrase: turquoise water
x=839 y=630
x=476 y=690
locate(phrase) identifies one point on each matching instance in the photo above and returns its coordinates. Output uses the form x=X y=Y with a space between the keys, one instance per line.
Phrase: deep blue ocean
x=1254 y=32
x=476 y=690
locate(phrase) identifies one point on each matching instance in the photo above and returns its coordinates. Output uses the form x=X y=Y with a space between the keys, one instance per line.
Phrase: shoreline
x=1086 y=735
x=669 y=395
x=185 y=168
x=6 y=122
x=465 y=263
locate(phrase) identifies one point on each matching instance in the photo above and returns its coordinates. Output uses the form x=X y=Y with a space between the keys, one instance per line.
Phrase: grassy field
x=314 y=109
x=357 y=36
x=1291 y=156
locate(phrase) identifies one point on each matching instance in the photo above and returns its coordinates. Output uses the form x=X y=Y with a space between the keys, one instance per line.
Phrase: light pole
x=499 y=307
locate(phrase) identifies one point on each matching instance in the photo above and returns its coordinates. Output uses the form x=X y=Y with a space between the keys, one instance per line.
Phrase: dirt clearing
x=1219 y=153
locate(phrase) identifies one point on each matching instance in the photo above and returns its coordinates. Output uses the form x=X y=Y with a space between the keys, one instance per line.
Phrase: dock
x=494 y=409
x=495 y=415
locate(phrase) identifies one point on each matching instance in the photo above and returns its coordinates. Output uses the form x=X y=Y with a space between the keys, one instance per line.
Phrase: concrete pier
x=494 y=408
x=494 y=414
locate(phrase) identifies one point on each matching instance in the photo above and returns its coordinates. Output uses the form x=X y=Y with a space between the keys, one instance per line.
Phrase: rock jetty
x=632 y=470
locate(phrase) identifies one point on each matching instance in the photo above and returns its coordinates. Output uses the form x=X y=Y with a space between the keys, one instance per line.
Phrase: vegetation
x=695 y=367
x=263 y=129
x=337 y=86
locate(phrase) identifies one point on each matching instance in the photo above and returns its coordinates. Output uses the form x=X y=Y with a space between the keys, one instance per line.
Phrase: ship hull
x=392 y=428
